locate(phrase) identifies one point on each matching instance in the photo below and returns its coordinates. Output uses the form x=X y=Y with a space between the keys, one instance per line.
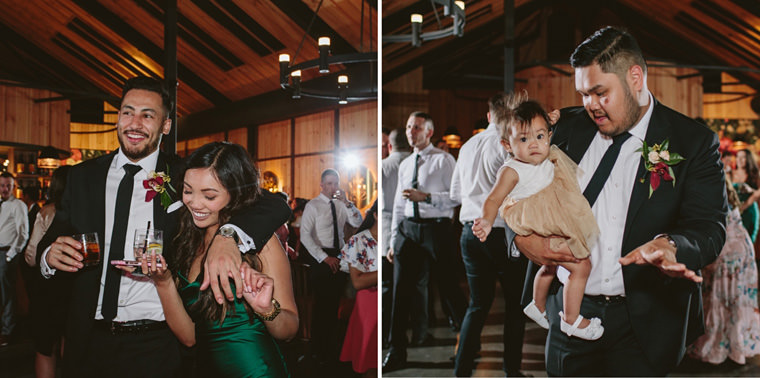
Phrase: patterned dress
x=732 y=321
x=360 y=344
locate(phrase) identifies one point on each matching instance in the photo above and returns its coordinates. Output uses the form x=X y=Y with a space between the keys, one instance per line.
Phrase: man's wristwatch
x=428 y=198
x=668 y=238
x=228 y=232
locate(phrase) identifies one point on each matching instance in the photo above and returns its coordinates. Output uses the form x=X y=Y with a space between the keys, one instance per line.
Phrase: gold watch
x=269 y=316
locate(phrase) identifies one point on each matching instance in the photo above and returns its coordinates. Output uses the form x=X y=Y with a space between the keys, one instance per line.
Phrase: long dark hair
x=57 y=185
x=235 y=171
x=750 y=168
x=369 y=219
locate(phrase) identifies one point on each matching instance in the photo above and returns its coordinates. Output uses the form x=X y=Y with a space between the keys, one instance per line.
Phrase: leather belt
x=133 y=326
x=606 y=299
x=5 y=249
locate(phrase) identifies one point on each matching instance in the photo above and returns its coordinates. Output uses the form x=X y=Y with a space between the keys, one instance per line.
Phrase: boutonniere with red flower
x=658 y=161
x=158 y=183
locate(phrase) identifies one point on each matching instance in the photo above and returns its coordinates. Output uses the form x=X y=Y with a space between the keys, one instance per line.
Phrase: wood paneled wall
x=24 y=121
x=674 y=87
x=314 y=147
x=735 y=106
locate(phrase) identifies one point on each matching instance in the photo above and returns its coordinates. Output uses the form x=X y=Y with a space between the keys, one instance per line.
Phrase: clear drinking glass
x=148 y=241
x=90 y=248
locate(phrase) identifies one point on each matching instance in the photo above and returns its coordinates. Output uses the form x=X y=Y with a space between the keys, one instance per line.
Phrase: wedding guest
x=487 y=262
x=48 y=299
x=399 y=150
x=115 y=317
x=235 y=338
x=322 y=234
x=420 y=233
x=732 y=319
x=746 y=179
x=665 y=227
x=386 y=143
x=14 y=226
x=360 y=344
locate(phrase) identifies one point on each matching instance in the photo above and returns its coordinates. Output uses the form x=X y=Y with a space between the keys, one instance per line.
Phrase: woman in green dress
x=234 y=338
x=745 y=179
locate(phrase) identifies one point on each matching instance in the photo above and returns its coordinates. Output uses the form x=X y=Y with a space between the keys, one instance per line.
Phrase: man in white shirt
x=399 y=149
x=322 y=226
x=480 y=159
x=14 y=232
x=420 y=233
x=116 y=318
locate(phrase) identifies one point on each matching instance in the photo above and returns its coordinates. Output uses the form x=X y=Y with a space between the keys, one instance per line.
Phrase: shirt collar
x=324 y=197
x=640 y=129
x=147 y=163
x=427 y=150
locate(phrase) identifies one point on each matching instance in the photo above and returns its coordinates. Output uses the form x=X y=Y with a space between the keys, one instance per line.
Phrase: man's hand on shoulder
x=222 y=263
x=537 y=248
x=662 y=255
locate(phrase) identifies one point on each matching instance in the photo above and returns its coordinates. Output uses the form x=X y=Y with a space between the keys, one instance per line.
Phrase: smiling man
x=113 y=316
x=643 y=285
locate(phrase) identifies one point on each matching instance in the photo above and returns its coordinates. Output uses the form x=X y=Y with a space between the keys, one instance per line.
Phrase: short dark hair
x=398 y=139
x=328 y=172
x=32 y=192
x=614 y=49
x=386 y=131
x=428 y=119
x=152 y=85
x=7 y=175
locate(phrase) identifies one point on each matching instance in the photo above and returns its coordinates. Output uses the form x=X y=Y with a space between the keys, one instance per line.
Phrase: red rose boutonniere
x=158 y=183
x=658 y=161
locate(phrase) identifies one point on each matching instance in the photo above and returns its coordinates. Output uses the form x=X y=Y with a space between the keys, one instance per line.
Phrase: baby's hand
x=481 y=228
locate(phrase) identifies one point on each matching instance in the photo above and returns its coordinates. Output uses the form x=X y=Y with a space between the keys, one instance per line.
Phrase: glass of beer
x=148 y=241
x=90 y=248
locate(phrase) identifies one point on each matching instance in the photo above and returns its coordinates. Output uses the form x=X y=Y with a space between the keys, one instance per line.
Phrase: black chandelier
x=452 y=8
x=363 y=85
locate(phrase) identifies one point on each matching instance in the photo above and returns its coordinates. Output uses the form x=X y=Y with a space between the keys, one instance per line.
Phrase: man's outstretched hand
x=660 y=254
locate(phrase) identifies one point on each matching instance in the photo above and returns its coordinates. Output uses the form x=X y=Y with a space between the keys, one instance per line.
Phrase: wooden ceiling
x=226 y=49
x=702 y=33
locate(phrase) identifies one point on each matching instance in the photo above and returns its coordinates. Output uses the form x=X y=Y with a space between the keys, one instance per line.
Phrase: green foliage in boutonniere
x=159 y=183
x=658 y=161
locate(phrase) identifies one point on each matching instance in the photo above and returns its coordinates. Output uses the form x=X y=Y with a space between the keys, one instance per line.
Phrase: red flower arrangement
x=157 y=183
x=658 y=161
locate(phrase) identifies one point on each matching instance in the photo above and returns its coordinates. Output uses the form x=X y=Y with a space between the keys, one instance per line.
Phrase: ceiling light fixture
x=455 y=9
x=365 y=86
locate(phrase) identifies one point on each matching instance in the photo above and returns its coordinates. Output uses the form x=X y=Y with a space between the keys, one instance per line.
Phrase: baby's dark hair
x=519 y=112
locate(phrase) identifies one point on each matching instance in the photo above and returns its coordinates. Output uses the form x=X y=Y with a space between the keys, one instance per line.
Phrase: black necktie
x=415 y=184
x=118 y=237
x=336 y=238
x=604 y=168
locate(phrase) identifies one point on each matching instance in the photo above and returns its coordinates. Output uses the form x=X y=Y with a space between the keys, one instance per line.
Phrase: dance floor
x=435 y=359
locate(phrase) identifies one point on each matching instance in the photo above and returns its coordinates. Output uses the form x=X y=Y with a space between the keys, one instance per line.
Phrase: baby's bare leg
x=574 y=290
x=541 y=285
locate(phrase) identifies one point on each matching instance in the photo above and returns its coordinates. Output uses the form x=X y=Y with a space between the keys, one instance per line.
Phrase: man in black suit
x=115 y=325
x=654 y=239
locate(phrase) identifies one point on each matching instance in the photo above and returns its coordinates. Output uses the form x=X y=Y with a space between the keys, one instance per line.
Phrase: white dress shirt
x=14 y=226
x=433 y=176
x=611 y=208
x=390 y=181
x=317 y=224
x=475 y=174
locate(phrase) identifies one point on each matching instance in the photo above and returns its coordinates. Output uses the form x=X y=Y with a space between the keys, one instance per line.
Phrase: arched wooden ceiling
x=227 y=49
x=688 y=32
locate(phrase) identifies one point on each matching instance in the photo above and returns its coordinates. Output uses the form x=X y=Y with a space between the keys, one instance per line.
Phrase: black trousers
x=486 y=263
x=148 y=354
x=420 y=248
x=328 y=287
x=616 y=353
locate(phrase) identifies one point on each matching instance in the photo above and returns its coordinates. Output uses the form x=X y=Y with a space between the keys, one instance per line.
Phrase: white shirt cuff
x=46 y=270
x=245 y=242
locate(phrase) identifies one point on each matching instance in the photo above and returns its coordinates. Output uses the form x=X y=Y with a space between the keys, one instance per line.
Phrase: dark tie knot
x=621 y=138
x=132 y=169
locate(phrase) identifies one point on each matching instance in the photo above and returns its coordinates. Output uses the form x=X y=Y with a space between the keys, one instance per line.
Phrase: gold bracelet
x=269 y=316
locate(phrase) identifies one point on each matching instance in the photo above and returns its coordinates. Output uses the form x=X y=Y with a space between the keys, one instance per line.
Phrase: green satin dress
x=238 y=348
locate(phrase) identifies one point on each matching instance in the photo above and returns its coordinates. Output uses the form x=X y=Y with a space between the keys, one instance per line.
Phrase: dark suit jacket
x=666 y=313
x=83 y=210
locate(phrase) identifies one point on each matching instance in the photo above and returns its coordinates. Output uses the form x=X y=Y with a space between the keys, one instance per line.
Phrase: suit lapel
x=577 y=143
x=658 y=131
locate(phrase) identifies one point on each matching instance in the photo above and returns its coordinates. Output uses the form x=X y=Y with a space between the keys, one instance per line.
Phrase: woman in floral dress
x=360 y=345
x=732 y=321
